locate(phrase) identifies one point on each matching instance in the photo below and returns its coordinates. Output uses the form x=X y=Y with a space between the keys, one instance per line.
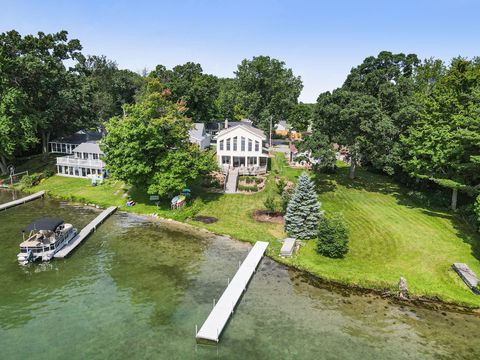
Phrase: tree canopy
x=189 y=84
x=267 y=90
x=149 y=146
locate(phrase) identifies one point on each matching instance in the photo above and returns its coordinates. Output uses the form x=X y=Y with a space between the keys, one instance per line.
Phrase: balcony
x=73 y=161
x=246 y=170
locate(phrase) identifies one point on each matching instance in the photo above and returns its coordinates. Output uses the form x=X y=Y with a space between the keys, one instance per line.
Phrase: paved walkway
x=232 y=181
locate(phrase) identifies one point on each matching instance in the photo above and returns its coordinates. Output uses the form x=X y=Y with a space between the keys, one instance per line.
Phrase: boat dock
x=216 y=321
x=82 y=235
x=22 y=200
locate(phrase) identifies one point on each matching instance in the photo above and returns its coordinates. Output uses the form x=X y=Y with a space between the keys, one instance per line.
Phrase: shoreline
x=313 y=279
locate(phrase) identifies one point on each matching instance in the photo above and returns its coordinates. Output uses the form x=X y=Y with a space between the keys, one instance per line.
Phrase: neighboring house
x=84 y=163
x=240 y=145
x=300 y=159
x=282 y=128
x=199 y=136
x=65 y=145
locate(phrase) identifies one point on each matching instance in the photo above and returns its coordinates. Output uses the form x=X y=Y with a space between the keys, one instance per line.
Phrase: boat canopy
x=49 y=224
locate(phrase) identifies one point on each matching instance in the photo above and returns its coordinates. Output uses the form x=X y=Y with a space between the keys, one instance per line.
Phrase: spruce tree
x=301 y=218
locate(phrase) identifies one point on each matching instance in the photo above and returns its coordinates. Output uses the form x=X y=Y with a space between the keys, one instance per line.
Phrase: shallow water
x=136 y=290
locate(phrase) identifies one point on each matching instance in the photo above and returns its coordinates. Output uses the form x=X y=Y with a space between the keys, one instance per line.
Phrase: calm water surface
x=136 y=290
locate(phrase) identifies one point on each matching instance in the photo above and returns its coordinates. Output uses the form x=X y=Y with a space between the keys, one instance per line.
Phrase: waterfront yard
x=391 y=235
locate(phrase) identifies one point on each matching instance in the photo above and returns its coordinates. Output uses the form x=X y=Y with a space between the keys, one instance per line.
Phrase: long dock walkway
x=216 y=321
x=22 y=200
x=87 y=230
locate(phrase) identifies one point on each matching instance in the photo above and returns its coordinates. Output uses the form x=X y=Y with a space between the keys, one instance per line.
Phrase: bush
x=332 y=236
x=286 y=197
x=281 y=185
x=270 y=204
x=253 y=187
x=28 y=181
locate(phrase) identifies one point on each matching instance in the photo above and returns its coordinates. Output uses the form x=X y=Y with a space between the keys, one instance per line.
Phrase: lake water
x=136 y=290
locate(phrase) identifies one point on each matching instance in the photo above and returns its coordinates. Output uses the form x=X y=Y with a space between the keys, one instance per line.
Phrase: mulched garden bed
x=205 y=219
x=265 y=216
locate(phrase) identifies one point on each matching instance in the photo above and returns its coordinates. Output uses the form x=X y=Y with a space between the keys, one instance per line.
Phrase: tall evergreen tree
x=301 y=218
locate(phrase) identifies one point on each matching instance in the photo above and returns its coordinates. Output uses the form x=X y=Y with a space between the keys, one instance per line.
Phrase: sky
x=319 y=40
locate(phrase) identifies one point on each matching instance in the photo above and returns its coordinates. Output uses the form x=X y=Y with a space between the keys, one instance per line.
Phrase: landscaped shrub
x=242 y=187
x=28 y=181
x=281 y=185
x=270 y=204
x=286 y=197
x=301 y=218
x=332 y=236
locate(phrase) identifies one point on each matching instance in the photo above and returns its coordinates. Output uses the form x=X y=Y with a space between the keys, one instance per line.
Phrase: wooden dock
x=22 y=200
x=216 y=321
x=82 y=235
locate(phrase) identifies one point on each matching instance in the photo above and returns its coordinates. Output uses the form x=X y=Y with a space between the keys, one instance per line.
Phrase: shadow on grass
x=426 y=203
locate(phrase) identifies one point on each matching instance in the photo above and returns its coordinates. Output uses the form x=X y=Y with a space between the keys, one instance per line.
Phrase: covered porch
x=247 y=165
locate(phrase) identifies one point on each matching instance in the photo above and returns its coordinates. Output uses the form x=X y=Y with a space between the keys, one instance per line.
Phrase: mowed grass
x=390 y=234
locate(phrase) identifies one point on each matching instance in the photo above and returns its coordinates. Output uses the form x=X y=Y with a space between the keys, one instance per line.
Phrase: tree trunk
x=454 y=199
x=353 y=164
x=45 y=140
x=3 y=165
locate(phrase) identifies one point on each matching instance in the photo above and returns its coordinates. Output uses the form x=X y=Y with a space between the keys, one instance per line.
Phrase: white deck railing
x=246 y=170
x=73 y=161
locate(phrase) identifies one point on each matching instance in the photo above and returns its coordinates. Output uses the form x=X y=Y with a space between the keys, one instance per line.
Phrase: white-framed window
x=228 y=144
x=250 y=145
x=221 y=144
x=257 y=146
x=242 y=144
x=235 y=143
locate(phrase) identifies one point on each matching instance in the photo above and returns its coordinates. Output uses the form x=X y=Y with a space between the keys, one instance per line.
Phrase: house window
x=257 y=146
x=95 y=156
x=242 y=144
x=250 y=144
x=221 y=144
x=228 y=144
x=235 y=143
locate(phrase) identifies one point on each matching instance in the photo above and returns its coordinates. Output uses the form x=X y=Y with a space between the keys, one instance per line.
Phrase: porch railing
x=73 y=161
x=246 y=170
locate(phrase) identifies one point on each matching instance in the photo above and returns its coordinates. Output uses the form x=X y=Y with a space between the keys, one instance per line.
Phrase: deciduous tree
x=149 y=146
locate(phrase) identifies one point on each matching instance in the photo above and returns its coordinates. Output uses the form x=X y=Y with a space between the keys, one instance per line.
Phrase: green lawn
x=390 y=235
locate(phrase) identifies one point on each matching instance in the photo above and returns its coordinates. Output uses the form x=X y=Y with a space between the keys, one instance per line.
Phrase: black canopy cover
x=44 y=224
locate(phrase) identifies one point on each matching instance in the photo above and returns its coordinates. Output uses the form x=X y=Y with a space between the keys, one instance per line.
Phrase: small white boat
x=45 y=237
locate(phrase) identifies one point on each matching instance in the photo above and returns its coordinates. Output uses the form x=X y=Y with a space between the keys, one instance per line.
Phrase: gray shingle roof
x=198 y=132
x=88 y=147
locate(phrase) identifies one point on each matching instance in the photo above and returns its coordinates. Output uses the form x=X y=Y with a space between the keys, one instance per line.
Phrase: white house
x=240 y=145
x=65 y=145
x=84 y=163
x=199 y=136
